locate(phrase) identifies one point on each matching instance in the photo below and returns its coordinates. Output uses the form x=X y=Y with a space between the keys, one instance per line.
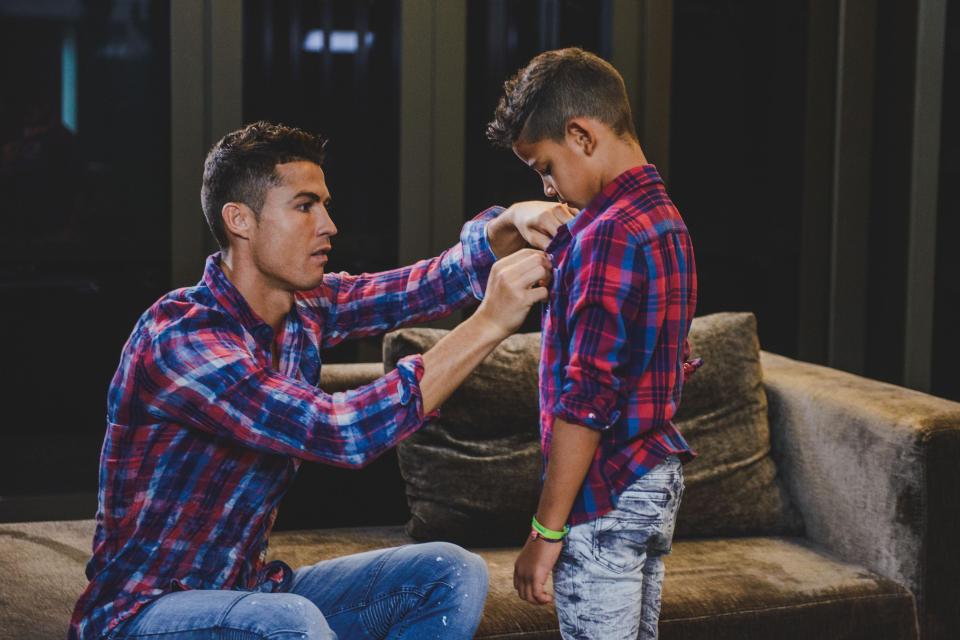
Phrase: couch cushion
x=42 y=565
x=715 y=589
x=732 y=487
x=473 y=474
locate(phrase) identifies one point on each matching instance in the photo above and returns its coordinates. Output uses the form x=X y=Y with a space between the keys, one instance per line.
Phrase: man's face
x=290 y=242
x=564 y=168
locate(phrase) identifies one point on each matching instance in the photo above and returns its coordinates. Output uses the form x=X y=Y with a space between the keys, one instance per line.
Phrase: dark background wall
x=751 y=156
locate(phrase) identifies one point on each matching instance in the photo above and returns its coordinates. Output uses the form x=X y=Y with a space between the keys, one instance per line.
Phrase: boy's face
x=290 y=241
x=567 y=168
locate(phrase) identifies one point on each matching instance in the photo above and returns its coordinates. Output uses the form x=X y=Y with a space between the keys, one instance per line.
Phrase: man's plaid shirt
x=204 y=437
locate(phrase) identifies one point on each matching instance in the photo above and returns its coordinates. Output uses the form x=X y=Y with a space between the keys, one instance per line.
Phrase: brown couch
x=873 y=469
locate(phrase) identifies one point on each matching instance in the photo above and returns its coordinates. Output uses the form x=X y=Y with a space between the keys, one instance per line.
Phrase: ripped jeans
x=427 y=590
x=608 y=580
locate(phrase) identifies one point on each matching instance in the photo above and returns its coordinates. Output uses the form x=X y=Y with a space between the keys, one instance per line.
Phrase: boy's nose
x=549 y=191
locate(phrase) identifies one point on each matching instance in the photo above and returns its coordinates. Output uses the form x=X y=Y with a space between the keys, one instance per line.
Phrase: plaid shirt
x=614 y=333
x=204 y=437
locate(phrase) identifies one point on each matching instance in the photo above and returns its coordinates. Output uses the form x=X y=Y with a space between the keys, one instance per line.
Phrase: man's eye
x=305 y=207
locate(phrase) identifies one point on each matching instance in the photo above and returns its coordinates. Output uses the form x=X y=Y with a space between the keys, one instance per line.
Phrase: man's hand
x=516 y=283
x=532 y=568
x=533 y=223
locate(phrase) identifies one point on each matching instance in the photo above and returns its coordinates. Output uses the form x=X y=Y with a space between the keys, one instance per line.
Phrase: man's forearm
x=451 y=360
x=572 y=449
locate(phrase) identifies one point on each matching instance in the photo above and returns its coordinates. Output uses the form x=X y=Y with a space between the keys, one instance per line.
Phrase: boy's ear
x=238 y=219
x=581 y=133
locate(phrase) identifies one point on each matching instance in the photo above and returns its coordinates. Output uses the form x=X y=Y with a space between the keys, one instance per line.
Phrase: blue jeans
x=608 y=579
x=417 y=591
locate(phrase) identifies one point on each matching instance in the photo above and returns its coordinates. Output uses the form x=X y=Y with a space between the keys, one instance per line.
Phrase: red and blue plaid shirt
x=614 y=333
x=204 y=437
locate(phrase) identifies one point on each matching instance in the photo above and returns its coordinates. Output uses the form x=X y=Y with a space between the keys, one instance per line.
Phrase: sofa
x=862 y=479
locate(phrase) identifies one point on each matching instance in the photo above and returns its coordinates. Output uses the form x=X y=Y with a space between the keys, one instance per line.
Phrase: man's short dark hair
x=554 y=87
x=242 y=166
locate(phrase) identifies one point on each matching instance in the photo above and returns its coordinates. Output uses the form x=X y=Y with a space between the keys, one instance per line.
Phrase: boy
x=614 y=343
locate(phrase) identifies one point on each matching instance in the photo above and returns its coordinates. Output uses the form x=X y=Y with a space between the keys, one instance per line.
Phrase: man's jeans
x=608 y=579
x=428 y=590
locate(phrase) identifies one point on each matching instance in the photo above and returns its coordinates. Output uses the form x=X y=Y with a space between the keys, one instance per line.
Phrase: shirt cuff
x=587 y=411
x=478 y=255
x=411 y=370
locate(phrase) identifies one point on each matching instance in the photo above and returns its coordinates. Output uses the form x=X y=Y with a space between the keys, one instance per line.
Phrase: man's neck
x=267 y=301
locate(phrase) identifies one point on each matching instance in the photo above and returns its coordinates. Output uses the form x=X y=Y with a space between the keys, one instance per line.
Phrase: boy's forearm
x=572 y=449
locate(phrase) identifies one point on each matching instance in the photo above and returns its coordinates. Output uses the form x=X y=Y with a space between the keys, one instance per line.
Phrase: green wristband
x=550 y=534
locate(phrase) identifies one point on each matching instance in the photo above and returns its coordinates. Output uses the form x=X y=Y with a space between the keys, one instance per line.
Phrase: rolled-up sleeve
x=206 y=379
x=609 y=294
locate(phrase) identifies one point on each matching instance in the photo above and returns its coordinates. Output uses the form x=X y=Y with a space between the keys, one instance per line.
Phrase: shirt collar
x=231 y=299
x=636 y=179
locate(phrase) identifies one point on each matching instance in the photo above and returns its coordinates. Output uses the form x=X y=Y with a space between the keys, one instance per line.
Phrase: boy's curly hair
x=554 y=87
x=242 y=166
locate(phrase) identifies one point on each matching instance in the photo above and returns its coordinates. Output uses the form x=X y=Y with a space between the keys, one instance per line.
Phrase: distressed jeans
x=432 y=590
x=608 y=580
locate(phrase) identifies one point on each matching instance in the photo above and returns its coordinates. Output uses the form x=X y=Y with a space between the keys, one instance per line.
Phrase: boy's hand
x=532 y=568
x=532 y=223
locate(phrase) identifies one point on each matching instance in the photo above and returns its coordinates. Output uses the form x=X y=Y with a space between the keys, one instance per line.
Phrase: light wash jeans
x=432 y=590
x=608 y=579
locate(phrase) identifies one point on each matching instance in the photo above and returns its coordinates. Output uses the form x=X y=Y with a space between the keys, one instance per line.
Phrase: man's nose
x=326 y=226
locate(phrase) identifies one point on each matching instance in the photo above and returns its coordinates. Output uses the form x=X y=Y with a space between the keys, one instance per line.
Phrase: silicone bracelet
x=549 y=534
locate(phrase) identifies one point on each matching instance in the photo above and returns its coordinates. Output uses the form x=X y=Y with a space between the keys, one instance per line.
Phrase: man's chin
x=309 y=285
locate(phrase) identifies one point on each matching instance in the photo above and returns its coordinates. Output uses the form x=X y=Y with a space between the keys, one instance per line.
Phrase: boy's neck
x=625 y=154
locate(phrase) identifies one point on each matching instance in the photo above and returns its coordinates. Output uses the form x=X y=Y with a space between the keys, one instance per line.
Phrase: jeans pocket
x=620 y=543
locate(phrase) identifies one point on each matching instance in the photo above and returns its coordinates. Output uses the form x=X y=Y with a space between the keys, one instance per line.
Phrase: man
x=214 y=405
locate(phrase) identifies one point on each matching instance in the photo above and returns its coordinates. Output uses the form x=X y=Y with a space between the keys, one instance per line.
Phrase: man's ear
x=238 y=219
x=581 y=132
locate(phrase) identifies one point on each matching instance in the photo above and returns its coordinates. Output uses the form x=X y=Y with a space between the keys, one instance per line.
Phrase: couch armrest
x=340 y=377
x=875 y=471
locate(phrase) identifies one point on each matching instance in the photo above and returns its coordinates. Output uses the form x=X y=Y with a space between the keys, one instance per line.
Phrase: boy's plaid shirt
x=204 y=437
x=615 y=333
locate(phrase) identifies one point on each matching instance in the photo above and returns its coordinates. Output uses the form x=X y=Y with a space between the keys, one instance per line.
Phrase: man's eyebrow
x=306 y=194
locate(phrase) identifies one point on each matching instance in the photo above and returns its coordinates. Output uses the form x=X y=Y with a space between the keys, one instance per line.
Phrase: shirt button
x=592 y=416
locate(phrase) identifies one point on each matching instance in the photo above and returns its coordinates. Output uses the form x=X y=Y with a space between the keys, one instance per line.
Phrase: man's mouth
x=321 y=253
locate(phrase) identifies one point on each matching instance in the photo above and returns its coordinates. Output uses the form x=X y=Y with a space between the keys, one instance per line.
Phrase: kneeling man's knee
x=280 y=616
x=464 y=572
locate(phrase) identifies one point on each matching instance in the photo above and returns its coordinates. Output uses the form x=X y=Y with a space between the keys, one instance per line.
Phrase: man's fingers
x=535 y=295
x=540 y=240
x=527 y=270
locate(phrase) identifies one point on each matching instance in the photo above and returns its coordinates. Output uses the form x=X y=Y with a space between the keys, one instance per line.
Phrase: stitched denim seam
x=398 y=591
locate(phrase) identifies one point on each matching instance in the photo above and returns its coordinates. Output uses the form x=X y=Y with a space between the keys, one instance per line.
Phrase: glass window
x=84 y=194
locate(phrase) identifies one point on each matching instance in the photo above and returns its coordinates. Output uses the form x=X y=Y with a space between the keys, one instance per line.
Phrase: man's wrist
x=503 y=235
x=485 y=330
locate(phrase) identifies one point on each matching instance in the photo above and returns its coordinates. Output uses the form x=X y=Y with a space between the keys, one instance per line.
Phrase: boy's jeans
x=608 y=579
x=428 y=590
